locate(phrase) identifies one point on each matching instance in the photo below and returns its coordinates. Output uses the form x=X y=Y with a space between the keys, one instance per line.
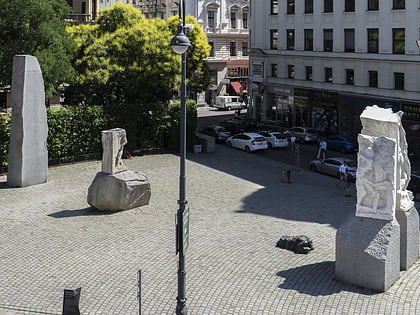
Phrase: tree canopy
x=125 y=57
x=37 y=28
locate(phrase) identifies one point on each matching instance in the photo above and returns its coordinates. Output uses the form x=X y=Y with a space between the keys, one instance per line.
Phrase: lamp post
x=180 y=44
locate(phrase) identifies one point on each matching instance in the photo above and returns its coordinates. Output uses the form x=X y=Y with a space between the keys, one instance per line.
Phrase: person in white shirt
x=322 y=149
x=342 y=172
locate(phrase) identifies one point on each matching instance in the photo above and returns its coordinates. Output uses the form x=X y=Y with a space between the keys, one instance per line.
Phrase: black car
x=271 y=125
x=220 y=133
x=239 y=124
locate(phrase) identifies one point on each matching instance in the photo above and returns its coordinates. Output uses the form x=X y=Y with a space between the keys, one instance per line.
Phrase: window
x=233 y=19
x=290 y=39
x=274 y=7
x=398 y=41
x=328 y=75
x=232 y=48
x=309 y=6
x=350 y=76
x=245 y=20
x=309 y=39
x=210 y=19
x=398 y=4
x=290 y=71
x=373 y=5
x=328 y=5
x=373 y=79
x=349 y=6
x=373 y=40
x=290 y=7
x=328 y=40
x=212 y=49
x=274 y=70
x=308 y=72
x=398 y=81
x=274 y=39
x=244 y=48
x=349 y=40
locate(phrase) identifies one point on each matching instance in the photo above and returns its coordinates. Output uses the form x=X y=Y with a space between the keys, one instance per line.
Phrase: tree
x=198 y=74
x=36 y=27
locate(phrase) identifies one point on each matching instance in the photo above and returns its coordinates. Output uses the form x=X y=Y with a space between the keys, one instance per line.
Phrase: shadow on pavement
x=317 y=280
x=79 y=213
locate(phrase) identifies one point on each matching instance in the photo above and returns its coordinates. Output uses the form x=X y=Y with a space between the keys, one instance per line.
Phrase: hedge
x=74 y=131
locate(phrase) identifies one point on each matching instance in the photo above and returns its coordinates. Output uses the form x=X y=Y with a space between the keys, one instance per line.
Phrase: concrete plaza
x=51 y=240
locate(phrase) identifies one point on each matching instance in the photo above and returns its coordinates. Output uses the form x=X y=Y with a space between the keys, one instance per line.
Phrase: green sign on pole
x=185 y=229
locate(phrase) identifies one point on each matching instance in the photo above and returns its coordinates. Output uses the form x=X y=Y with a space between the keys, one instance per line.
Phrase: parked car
x=339 y=143
x=274 y=139
x=271 y=125
x=303 y=134
x=248 y=141
x=239 y=124
x=330 y=166
x=220 y=133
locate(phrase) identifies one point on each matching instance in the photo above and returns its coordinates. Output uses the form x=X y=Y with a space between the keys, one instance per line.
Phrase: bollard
x=285 y=177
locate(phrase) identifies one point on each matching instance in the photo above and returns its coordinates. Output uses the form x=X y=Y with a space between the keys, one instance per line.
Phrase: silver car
x=302 y=134
x=331 y=166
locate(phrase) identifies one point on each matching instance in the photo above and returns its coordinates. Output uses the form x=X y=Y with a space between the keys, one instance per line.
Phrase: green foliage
x=75 y=130
x=36 y=27
x=4 y=139
x=174 y=116
x=198 y=76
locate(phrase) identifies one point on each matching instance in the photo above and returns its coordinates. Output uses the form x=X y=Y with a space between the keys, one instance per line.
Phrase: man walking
x=342 y=172
x=322 y=149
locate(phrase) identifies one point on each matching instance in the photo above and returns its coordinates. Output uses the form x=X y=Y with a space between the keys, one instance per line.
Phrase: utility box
x=208 y=142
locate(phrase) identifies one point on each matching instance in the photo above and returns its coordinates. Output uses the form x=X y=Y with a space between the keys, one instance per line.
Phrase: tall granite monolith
x=28 y=155
x=382 y=238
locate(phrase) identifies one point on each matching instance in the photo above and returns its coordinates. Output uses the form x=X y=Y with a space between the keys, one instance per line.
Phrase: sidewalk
x=51 y=240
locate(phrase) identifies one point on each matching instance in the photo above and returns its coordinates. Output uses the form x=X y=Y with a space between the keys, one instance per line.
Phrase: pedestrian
x=342 y=173
x=322 y=149
x=348 y=180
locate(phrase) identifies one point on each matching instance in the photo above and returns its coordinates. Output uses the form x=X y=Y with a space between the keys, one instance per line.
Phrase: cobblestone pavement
x=51 y=240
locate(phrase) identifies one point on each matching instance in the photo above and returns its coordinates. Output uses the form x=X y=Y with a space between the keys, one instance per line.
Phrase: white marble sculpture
x=28 y=155
x=383 y=166
x=113 y=142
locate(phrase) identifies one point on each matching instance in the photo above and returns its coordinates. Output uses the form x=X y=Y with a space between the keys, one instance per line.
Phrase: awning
x=236 y=86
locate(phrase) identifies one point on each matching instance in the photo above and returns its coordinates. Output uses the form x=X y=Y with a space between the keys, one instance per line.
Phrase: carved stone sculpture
x=116 y=188
x=113 y=142
x=28 y=155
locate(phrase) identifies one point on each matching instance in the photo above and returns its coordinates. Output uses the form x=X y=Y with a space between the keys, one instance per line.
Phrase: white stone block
x=113 y=142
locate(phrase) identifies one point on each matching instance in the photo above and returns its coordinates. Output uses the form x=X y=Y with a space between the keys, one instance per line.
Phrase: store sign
x=283 y=90
x=257 y=70
x=411 y=111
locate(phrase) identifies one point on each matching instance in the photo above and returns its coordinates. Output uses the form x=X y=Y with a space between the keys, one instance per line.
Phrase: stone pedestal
x=409 y=225
x=368 y=253
x=119 y=191
x=28 y=155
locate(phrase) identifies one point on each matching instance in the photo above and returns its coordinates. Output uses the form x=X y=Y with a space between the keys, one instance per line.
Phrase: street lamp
x=180 y=44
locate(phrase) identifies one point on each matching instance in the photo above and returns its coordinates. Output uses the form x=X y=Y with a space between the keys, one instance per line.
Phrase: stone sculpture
x=28 y=155
x=116 y=188
x=383 y=236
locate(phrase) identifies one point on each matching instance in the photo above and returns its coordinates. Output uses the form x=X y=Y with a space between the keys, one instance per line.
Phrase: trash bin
x=285 y=177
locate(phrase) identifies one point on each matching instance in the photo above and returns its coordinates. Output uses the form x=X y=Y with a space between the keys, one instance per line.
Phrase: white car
x=275 y=139
x=248 y=141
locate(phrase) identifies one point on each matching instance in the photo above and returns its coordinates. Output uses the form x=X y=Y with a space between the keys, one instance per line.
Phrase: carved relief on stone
x=376 y=177
x=113 y=142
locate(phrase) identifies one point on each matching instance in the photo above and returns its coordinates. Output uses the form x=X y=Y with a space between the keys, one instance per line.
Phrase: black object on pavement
x=300 y=244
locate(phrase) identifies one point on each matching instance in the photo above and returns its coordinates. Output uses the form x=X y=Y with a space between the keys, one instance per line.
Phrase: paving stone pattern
x=51 y=240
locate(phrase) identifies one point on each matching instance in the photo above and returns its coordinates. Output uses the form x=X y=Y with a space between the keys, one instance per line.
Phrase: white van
x=229 y=102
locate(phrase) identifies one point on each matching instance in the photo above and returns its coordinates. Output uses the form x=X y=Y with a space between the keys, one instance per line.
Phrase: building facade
x=320 y=63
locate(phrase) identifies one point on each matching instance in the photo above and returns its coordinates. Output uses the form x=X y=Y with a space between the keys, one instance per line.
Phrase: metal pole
x=181 y=307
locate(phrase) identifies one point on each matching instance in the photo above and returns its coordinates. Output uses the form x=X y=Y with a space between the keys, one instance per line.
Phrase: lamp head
x=180 y=42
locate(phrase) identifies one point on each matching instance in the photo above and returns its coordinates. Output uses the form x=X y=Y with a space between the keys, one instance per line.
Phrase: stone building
x=319 y=63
